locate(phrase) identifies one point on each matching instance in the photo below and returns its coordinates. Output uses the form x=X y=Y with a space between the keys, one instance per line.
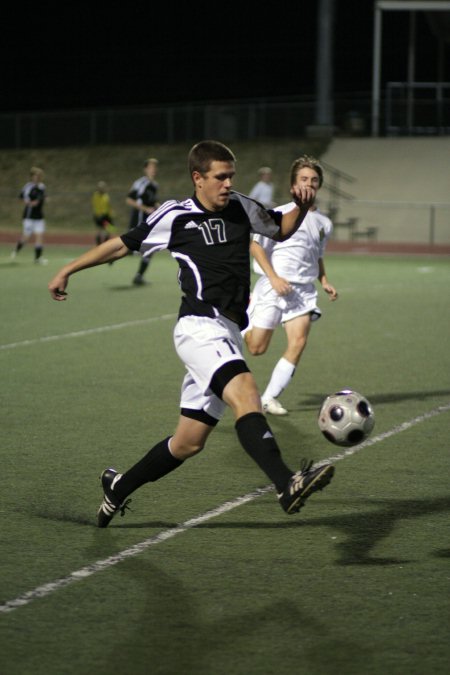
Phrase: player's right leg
x=27 y=231
x=199 y=415
x=264 y=315
x=258 y=340
x=163 y=458
x=138 y=279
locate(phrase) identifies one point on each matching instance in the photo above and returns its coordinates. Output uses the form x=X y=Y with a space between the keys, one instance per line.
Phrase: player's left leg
x=253 y=431
x=258 y=441
x=39 y=229
x=299 y=311
x=297 y=331
x=99 y=234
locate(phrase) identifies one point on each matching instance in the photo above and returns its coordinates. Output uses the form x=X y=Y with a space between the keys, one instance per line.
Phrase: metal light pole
x=324 y=69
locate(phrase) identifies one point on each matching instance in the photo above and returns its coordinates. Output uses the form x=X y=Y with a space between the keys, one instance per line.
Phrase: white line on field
x=88 y=331
x=89 y=570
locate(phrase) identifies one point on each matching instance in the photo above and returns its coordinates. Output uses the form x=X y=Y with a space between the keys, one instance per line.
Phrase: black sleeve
x=134 y=237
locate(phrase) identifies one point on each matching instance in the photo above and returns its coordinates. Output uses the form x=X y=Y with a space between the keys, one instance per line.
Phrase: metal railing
x=418 y=108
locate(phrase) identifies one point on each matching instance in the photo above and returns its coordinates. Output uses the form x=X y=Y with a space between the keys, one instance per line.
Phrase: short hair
x=101 y=185
x=263 y=170
x=36 y=171
x=202 y=154
x=310 y=163
x=150 y=160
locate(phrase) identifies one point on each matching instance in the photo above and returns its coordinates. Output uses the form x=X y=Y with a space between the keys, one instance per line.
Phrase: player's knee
x=257 y=350
x=243 y=396
x=187 y=450
x=297 y=345
x=255 y=347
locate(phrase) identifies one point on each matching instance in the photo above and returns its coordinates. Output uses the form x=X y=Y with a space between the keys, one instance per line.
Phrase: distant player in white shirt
x=286 y=292
x=262 y=191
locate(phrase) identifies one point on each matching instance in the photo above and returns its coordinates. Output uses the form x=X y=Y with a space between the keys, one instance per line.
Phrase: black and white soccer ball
x=346 y=418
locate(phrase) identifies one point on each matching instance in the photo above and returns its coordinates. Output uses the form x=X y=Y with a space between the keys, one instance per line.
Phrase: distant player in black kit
x=143 y=199
x=209 y=236
x=33 y=223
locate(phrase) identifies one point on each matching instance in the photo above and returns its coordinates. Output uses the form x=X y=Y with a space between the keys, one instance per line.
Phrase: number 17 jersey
x=211 y=248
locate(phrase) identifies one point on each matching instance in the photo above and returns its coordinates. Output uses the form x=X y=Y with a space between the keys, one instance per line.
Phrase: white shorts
x=33 y=226
x=205 y=345
x=267 y=309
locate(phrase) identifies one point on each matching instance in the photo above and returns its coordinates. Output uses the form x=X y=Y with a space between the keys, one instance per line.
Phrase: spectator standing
x=263 y=190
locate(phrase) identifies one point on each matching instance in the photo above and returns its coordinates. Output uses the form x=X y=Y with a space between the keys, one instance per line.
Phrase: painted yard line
x=88 y=331
x=51 y=587
x=89 y=570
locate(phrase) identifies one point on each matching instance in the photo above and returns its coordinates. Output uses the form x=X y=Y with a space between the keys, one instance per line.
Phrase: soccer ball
x=346 y=418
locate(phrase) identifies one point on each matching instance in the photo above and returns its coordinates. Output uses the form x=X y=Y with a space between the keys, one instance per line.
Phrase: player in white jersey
x=209 y=236
x=286 y=292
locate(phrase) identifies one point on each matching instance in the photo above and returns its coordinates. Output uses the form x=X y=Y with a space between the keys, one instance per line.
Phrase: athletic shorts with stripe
x=31 y=226
x=206 y=345
x=268 y=309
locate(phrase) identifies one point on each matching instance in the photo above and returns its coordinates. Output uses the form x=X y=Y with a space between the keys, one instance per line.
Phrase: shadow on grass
x=128 y=287
x=192 y=629
x=376 y=521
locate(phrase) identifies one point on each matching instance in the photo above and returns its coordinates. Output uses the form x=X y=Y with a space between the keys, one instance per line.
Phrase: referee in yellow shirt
x=102 y=213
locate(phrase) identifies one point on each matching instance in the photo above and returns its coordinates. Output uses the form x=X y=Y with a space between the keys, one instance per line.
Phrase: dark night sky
x=134 y=54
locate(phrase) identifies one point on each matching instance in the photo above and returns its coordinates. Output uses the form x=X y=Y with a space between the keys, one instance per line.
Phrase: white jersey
x=297 y=259
x=263 y=193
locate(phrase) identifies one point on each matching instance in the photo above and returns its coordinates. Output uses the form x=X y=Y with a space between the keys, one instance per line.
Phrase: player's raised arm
x=110 y=250
x=303 y=196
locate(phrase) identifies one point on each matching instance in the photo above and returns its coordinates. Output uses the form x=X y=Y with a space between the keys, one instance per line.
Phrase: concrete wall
x=401 y=187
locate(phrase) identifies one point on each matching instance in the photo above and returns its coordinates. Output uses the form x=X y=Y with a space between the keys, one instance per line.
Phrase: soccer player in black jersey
x=33 y=222
x=209 y=236
x=143 y=199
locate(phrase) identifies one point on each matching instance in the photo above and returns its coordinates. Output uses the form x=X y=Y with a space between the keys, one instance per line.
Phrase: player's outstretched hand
x=303 y=196
x=332 y=292
x=57 y=287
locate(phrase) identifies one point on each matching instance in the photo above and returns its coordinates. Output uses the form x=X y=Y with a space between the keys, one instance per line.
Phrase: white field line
x=88 y=331
x=89 y=570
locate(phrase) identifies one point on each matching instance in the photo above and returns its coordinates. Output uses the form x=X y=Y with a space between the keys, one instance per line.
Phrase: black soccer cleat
x=110 y=504
x=302 y=485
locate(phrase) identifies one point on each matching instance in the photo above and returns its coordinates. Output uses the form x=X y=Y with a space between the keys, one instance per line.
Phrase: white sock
x=281 y=376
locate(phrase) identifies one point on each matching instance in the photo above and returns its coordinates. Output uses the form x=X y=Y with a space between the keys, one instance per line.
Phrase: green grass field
x=207 y=575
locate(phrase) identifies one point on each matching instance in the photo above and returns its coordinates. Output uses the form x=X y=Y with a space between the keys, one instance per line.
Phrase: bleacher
x=388 y=189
